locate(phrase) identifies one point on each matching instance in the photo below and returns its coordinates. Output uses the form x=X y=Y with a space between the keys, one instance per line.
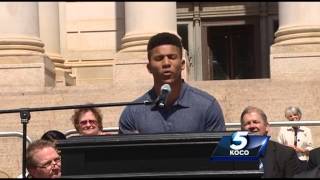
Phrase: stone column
x=22 y=58
x=142 y=20
x=50 y=35
x=157 y=17
x=295 y=52
x=197 y=70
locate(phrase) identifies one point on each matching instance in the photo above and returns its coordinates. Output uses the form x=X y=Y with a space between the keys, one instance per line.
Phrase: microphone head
x=164 y=92
x=166 y=88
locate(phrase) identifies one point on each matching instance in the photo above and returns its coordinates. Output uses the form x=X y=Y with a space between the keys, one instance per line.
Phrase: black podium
x=149 y=155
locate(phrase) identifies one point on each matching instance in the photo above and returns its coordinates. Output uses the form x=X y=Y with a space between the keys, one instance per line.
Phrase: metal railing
x=72 y=132
x=14 y=134
x=25 y=116
x=228 y=125
x=280 y=123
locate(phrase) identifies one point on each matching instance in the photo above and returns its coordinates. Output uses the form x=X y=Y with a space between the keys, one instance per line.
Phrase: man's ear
x=183 y=64
x=32 y=171
x=267 y=128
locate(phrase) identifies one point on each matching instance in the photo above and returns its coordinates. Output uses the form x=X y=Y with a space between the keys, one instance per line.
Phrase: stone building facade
x=264 y=54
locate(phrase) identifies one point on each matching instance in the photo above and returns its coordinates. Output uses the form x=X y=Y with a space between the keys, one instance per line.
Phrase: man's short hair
x=251 y=109
x=161 y=39
x=33 y=148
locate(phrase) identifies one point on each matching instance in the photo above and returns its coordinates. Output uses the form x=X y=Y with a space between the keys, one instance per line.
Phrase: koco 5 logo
x=240 y=146
x=239 y=142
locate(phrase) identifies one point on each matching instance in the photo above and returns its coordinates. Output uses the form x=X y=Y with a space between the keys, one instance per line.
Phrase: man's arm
x=281 y=138
x=127 y=122
x=313 y=158
x=309 y=140
x=214 y=118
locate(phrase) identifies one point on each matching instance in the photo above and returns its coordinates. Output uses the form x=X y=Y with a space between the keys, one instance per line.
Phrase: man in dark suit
x=279 y=160
x=314 y=158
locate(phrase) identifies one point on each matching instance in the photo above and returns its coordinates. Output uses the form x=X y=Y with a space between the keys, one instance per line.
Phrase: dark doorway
x=231 y=52
x=183 y=33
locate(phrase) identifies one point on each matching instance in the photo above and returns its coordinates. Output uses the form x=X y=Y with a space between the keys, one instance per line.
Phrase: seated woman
x=88 y=121
x=297 y=137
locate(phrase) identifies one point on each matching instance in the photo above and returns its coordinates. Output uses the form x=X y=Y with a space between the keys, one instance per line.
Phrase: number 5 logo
x=240 y=139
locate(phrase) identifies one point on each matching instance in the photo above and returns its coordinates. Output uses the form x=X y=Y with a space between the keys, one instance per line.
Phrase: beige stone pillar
x=22 y=58
x=50 y=34
x=157 y=17
x=142 y=20
x=19 y=31
x=295 y=52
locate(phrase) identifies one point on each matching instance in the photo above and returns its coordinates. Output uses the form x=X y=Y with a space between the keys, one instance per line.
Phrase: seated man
x=279 y=160
x=186 y=109
x=43 y=160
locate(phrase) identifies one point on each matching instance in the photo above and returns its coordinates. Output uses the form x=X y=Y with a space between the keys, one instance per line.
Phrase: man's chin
x=167 y=81
x=255 y=133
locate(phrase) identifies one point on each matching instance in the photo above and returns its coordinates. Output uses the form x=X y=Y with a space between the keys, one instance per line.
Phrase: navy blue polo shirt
x=194 y=111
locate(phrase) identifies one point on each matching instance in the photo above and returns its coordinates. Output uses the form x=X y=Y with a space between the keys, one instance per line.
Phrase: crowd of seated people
x=278 y=161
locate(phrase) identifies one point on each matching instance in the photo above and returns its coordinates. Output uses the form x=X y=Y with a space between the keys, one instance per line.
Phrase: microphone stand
x=25 y=116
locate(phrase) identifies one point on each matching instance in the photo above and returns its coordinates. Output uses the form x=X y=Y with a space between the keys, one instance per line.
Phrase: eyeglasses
x=49 y=163
x=84 y=122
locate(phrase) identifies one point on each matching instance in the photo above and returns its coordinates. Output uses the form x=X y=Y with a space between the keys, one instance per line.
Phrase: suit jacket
x=314 y=158
x=280 y=161
x=314 y=173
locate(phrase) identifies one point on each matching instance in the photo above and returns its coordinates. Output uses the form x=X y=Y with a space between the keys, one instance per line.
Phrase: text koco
x=239 y=152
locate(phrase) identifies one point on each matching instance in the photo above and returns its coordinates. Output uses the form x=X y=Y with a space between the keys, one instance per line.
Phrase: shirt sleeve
x=127 y=122
x=309 y=141
x=280 y=136
x=214 y=118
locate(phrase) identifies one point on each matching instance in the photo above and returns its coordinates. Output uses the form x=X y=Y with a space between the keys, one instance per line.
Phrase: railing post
x=25 y=117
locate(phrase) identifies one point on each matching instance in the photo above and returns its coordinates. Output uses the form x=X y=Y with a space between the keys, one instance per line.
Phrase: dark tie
x=295 y=135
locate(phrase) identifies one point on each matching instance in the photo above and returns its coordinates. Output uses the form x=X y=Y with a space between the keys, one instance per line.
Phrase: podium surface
x=149 y=155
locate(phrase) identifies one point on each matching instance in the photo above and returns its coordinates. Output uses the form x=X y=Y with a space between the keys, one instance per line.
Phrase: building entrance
x=231 y=52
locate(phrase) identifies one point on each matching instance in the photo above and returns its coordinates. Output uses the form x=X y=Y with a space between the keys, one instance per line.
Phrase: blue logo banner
x=240 y=146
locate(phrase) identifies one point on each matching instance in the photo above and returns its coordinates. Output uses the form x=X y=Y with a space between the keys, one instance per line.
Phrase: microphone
x=164 y=92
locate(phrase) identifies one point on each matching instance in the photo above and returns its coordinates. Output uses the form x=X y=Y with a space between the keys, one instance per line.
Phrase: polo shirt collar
x=183 y=99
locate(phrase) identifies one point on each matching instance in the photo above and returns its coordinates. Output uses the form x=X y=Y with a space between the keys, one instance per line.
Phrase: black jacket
x=314 y=158
x=280 y=161
x=314 y=173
